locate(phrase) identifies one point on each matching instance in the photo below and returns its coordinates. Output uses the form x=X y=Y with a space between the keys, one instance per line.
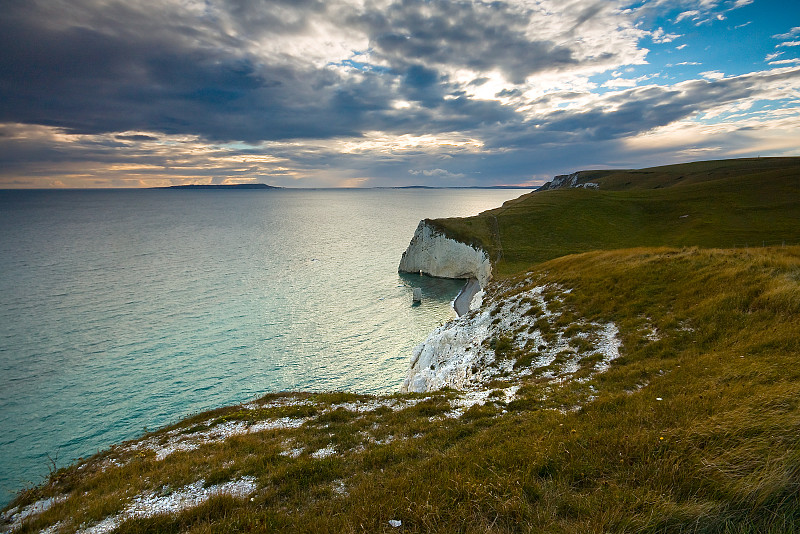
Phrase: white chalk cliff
x=566 y=181
x=435 y=254
x=461 y=353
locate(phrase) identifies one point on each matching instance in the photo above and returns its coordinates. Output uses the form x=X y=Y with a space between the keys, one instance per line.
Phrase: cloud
x=439 y=173
x=136 y=137
x=317 y=92
x=660 y=36
x=712 y=75
x=619 y=82
x=794 y=32
x=693 y=14
x=705 y=12
x=167 y=70
x=512 y=39
x=287 y=70
x=637 y=110
x=788 y=43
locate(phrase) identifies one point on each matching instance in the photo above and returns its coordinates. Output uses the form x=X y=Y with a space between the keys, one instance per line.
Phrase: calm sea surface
x=121 y=310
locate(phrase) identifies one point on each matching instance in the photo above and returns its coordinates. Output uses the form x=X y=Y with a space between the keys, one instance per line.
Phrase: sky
x=366 y=93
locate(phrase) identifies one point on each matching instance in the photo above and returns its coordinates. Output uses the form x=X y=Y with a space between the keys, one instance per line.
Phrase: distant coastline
x=457 y=187
x=220 y=186
x=266 y=186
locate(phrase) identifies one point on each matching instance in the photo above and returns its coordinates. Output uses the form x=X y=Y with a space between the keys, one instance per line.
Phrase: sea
x=122 y=311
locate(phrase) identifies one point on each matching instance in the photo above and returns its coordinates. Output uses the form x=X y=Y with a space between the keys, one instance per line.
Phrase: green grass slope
x=718 y=204
x=688 y=173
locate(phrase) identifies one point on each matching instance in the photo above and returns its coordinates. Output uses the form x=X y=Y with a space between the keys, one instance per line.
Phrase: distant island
x=220 y=186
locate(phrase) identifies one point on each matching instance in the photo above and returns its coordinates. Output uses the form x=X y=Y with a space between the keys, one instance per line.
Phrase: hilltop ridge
x=720 y=204
x=673 y=175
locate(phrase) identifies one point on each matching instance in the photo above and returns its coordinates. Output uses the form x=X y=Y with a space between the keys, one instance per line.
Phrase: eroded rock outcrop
x=512 y=336
x=435 y=254
x=564 y=181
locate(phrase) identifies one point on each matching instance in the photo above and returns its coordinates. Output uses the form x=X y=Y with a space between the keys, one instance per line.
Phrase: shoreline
x=462 y=301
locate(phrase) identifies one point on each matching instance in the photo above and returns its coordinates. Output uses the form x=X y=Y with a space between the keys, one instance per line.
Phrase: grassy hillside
x=707 y=204
x=694 y=427
x=688 y=173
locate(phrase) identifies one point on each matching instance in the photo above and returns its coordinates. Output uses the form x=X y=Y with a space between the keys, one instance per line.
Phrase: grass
x=718 y=204
x=694 y=428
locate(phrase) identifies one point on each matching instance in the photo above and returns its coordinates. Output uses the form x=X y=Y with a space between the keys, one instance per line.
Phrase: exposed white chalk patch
x=468 y=399
x=461 y=355
x=608 y=345
x=178 y=440
x=477 y=300
x=293 y=453
x=53 y=529
x=16 y=516
x=339 y=487
x=281 y=402
x=150 y=505
x=324 y=453
x=174 y=441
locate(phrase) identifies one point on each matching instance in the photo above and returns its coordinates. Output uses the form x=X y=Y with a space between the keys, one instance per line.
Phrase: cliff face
x=563 y=181
x=435 y=254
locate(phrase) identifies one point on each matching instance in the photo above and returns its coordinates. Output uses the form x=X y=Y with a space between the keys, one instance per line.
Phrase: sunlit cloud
x=691 y=14
x=794 y=32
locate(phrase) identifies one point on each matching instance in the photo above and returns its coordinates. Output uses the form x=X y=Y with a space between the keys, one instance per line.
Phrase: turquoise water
x=121 y=310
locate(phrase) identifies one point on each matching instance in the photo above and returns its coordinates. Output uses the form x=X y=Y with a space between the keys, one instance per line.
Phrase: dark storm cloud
x=634 y=111
x=480 y=36
x=170 y=80
x=117 y=67
x=136 y=137
x=588 y=13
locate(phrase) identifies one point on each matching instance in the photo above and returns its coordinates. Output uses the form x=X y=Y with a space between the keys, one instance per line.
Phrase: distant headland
x=220 y=186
